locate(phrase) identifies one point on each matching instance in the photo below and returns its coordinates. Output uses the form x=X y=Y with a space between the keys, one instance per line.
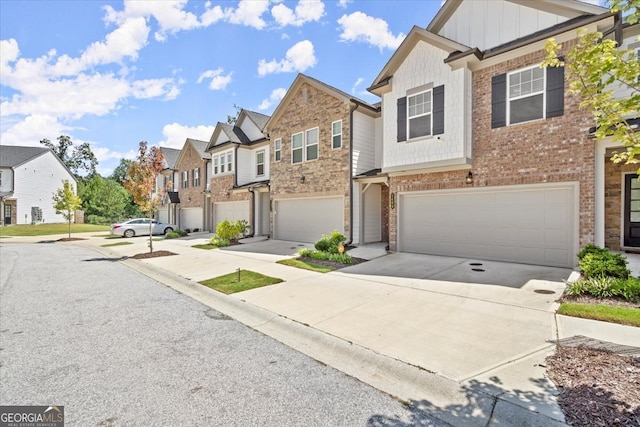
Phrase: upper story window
x=526 y=95
x=277 y=150
x=260 y=163
x=421 y=113
x=336 y=134
x=223 y=162
x=304 y=146
x=196 y=177
x=185 y=179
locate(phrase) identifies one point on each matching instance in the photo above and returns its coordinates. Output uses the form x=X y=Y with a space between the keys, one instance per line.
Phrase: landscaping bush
x=219 y=242
x=228 y=230
x=172 y=235
x=305 y=252
x=341 y=258
x=183 y=233
x=607 y=287
x=592 y=249
x=330 y=242
x=603 y=263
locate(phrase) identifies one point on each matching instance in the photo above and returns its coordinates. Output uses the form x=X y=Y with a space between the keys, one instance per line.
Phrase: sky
x=114 y=73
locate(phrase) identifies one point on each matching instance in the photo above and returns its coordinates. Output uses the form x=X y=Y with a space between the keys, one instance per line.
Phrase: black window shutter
x=498 y=101
x=555 y=91
x=402 y=119
x=438 y=110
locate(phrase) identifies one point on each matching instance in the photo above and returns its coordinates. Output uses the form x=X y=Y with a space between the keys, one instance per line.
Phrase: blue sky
x=113 y=73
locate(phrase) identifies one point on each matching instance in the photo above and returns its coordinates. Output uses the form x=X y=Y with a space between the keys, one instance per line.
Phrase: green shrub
x=604 y=264
x=172 y=235
x=305 y=252
x=228 y=230
x=592 y=249
x=183 y=233
x=319 y=255
x=607 y=287
x=98 y=220
x=219 y=242
x=243 y=227
x=330 y=242
x=341 y=258
x=323 y=245
x=628 y=289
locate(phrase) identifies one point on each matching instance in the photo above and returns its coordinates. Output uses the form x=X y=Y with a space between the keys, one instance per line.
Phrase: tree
x=595 y=67
x=104 y=200
x=141 y=181
x=66 y=202
x=120 y=172
x=81 y=158
x=231 y=120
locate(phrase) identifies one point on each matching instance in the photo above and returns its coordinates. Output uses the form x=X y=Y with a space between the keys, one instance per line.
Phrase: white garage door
x=191 y=218
x=230 y=211
x=527 y=224
x=163 y=214
x=306 y=220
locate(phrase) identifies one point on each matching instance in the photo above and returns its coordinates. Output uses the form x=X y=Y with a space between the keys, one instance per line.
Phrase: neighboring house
x=167 y=185
x=240 y=172
x=487 y=154
x=321 y=139
x=194 y=169
x=29 y=176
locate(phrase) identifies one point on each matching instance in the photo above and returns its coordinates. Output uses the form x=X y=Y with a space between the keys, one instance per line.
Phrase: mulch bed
x=153 y=254
x=598 y=388
x=331 y=264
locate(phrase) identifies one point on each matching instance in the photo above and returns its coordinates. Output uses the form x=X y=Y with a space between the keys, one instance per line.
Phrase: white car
x=140 y=227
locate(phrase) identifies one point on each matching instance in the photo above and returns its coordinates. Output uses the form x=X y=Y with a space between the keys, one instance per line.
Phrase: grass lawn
x=207 y=246
x=117 y=244
x=606 y=313
x=48 y=229
x=305 y=265
x=229 y=284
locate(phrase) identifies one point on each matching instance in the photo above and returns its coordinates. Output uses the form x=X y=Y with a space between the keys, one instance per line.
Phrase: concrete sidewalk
x=470 y=352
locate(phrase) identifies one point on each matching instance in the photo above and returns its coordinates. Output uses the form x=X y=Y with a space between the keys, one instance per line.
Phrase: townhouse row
x=473 y=150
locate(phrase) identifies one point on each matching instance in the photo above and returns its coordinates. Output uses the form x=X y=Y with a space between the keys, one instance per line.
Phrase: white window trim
x=430 y=113
x=216 y=161
x=196 y=177
x=264 y=166
x=221 y=167
x=305 y=145
x=333 y=135
x=230 y=161
x=277 y=150
x=543 y=92
x=185 y=179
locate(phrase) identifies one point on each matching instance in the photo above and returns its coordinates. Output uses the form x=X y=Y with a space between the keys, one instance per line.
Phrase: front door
x=631 y=210
x=7 y=214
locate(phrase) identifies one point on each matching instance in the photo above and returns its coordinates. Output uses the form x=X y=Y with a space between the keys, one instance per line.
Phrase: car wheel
x=129 y=233
x=168 y=230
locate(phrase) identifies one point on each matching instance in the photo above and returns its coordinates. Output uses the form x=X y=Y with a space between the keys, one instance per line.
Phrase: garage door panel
x=520 y=224
x=306 y=220
x=191 y=218
x=231 y=211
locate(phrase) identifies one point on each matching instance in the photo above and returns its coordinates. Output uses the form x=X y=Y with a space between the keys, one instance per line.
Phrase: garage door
x=163 y=214
x=191 y=218
x=527 y=224
x=306 y=220
x=230 y=211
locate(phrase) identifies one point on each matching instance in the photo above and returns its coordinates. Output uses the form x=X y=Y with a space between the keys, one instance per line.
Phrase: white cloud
x=32 y=129
x=343 y=3
x=218 y=79
x=358 y=82
x=155 y=88
x=275 y=97
x=175 y=134
x=298 y=58
x=249 y=13
x=364 y=28
x=305 y=11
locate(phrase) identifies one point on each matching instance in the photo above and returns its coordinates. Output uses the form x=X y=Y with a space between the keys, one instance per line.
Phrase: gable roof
x=234 y=133
x=15 y=155
x=302 y=78
x=170 y=156
x=199 y=146
x=259 y=119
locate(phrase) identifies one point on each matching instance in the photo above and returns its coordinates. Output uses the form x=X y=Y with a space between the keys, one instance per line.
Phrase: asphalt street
x=118 y=348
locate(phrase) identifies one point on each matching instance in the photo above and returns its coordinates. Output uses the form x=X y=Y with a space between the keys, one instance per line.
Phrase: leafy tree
x=232 y=119
x=66 y=202
x=80 y=158
x=105 y=198
x=595 y=67
x=120 y=172
x=141 y=180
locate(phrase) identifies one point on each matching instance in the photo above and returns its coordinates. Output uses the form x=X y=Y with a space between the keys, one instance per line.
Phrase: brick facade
x=191 y=196
x=542 y=151
x=308 y=108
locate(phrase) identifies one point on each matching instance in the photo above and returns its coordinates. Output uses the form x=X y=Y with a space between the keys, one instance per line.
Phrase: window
x=196 y=177
x=296 y=148
x=260 y=163
x=336 y=134
x=215 y=165
x=222 y=162
x=419 y=114
x=311 y=144
x=185 y=179
x=526 y=95
x=229 y=161
x=277 y=150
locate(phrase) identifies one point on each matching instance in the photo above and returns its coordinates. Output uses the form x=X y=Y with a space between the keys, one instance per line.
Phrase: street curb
x=436 y=396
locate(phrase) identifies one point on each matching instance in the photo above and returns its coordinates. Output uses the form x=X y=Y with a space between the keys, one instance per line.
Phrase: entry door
x=7 y=214
x=631 y=211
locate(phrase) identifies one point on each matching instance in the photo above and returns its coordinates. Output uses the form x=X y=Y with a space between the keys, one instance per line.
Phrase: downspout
x=352 y=109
